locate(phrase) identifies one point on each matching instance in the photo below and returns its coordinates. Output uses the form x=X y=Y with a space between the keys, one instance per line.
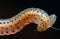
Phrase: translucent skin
x=19 y=21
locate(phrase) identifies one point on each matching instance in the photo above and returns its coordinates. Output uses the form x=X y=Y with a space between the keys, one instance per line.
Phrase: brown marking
x=47 y=23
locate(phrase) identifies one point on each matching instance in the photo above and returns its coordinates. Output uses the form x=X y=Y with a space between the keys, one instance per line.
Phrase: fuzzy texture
x=19 y=21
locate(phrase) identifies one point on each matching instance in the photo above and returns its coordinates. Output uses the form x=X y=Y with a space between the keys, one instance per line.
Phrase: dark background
x=11 y=8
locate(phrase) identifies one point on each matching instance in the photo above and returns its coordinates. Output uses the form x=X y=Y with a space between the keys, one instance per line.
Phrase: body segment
x=30 y=15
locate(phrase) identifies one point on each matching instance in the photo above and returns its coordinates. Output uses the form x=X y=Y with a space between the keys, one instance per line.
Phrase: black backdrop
x=11 y=8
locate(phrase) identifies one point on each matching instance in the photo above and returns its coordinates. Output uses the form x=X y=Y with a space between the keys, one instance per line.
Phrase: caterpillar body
x=19 y=21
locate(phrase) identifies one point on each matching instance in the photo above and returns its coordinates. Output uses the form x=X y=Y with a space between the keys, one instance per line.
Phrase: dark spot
x=2 y=27
x=28 y=14
x=34 y=15
x=6 y=31
x=42 y=13
x=15 y=18
x=20 y=15
x=10 y=25
x=3 y=22
x=7 y=22
x=0 y=22
x=6 y=28
x=15 y=24
x=18 y=22
x=13 y=31
x=23 y=19
x=11 y=20
x=1 y=32
x=37 y=11
x=41 y=19
x=31 y=15
x=43 y=25
x=33 y=10
x=17 y=27
x=24 y=12
x=27 y=17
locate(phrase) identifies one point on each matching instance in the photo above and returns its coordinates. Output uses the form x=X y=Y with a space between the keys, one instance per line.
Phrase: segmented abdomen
x=18 y=22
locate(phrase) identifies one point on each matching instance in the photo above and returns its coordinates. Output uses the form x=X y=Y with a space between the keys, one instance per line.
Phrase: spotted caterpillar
x=30 y=15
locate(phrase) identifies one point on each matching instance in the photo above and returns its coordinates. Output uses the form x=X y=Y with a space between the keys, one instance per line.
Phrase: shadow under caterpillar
x=30 y=15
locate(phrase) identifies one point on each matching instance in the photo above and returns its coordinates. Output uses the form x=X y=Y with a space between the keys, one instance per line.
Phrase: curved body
x=19 y=21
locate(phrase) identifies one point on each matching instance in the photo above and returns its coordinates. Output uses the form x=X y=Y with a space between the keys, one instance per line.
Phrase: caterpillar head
x=47 y=22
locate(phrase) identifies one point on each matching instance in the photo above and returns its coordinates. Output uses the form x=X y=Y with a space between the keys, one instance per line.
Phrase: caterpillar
x=30 y=15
